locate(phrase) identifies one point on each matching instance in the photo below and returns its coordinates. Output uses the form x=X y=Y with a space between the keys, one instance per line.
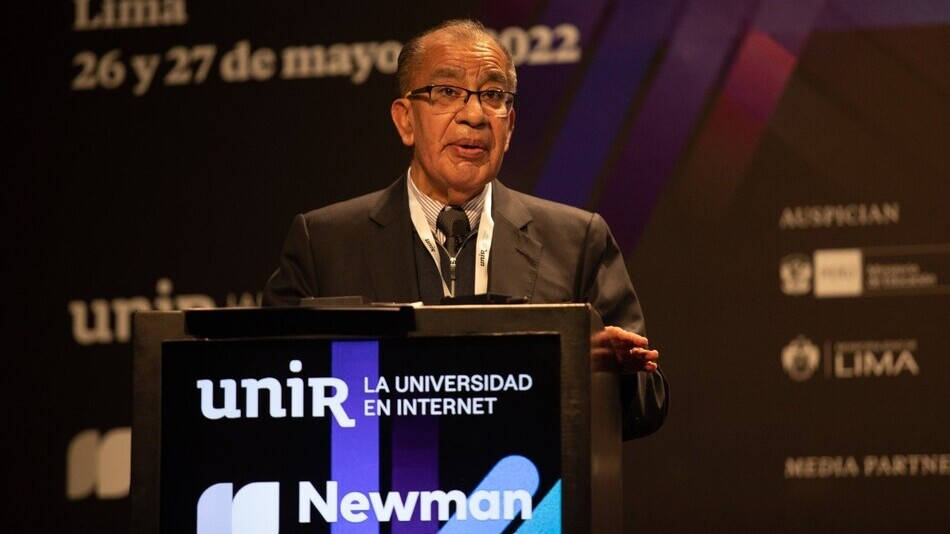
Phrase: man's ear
x=402 y=118
x=511 y=128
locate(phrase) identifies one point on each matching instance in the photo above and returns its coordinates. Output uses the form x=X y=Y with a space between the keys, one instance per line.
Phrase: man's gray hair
x=411 y=54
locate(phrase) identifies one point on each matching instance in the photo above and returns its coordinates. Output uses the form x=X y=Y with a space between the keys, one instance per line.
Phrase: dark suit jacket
x=542 y=250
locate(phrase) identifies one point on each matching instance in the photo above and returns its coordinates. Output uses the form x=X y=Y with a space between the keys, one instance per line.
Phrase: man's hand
x=630 y=351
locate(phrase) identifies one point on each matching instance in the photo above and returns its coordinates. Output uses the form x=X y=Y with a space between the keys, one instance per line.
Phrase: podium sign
x=474 y=419
x=449 y=434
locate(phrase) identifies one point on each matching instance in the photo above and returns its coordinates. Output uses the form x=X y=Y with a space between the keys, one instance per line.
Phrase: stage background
x=775 y=172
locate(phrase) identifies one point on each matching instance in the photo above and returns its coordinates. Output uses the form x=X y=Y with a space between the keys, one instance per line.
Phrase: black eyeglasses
x=451 y=98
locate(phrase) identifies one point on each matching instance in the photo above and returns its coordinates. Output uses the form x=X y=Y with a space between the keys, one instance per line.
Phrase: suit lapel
x=515 y=255
x=389 y=248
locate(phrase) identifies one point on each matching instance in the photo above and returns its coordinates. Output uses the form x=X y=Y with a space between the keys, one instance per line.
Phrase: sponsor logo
x=869 y=466
x=850 y=359
x=482 y=505
x=326 y=393
x=99 y=464
x=900 y=276
x=800 y=358
x=871 y=271
x=105 y=321
x=838 y=273
x=854 y=359
x=255 y=509
x=795 y=272
x=839 y=215
x=505 y=494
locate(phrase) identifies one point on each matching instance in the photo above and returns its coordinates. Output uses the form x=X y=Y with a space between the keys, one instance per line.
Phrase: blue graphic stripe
x=700 y=44
x=510 y=473
x=628 y=45
x=546 y=88
x=547 y=516
x=354 y=451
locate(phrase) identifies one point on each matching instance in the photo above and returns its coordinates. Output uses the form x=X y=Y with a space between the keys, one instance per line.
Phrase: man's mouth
x=469 y=148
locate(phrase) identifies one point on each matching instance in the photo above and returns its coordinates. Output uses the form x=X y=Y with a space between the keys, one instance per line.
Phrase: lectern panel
x=425 y=434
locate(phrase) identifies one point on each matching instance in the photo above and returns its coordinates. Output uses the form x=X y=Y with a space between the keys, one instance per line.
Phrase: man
x=456 y=111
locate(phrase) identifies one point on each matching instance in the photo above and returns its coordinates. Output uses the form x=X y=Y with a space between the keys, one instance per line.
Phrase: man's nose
x=472 y=112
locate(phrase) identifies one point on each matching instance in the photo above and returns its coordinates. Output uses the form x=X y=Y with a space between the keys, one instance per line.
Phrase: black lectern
x=374 y=419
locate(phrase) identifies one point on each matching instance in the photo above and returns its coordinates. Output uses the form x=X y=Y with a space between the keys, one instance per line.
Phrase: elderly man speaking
x=448 y=227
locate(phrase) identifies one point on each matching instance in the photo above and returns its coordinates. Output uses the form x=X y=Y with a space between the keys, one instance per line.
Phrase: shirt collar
x=431 y=207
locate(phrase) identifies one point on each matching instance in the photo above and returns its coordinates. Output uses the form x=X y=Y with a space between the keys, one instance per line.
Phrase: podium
x=374 y=419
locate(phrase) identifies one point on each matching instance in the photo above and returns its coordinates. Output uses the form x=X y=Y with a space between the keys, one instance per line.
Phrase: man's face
x=455 y=154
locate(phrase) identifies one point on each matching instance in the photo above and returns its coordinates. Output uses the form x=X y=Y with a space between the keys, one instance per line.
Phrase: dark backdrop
x=761 y=164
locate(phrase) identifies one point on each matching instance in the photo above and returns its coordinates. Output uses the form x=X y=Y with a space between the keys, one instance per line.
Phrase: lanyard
x=486 y=227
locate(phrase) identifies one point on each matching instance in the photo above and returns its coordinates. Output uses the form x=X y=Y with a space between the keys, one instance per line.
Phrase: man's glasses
x=450 y=99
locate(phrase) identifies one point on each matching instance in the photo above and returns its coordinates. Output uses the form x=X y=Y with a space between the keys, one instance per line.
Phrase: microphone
x=453 y=223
